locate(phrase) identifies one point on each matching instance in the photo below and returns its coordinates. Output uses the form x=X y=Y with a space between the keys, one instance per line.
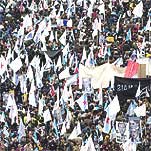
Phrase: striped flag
x=83 y=103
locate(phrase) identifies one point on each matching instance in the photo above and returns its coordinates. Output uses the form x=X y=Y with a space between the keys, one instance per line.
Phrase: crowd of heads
x=80 y=19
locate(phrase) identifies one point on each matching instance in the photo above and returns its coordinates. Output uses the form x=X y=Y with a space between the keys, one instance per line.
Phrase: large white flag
x=64 y=74
x=102 y=8
x=16 y=64
x=138 y=10
x=10 y=101
x=11 y=104
x=27 y=21
x=76 y=131
x=47 y=116
x=89 y=146
x=83 y=103
x=114 y=107
x=140 y=110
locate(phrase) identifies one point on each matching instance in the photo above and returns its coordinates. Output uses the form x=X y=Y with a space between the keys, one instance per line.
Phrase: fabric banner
x=126 y=88
x=100 y=75
x=122 y=131
x=135 y=129
x=147 y=62
x=86 y=85
x=131 y=69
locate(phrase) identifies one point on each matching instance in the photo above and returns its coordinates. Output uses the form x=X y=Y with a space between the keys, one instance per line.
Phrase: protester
x=48 y=49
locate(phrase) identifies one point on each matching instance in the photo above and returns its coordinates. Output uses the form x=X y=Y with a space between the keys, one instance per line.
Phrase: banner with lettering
x=126 y=88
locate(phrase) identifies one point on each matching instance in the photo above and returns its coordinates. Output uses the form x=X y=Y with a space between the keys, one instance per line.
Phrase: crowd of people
x=39 y=39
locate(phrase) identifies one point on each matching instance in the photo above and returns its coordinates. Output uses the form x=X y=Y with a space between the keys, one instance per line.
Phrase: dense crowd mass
x=41 y=108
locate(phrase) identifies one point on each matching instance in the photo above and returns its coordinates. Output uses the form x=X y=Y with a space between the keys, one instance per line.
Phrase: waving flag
x=63 y=38
x=76 y=131
x=21 y=130
x=16 y=64
x=140 y=111
x=138 y=92
x=47 y=116
x=83 y=103
x=129 y=35
x=138 y=10
x=112 y=109
x=3 y=65
x=107 y=122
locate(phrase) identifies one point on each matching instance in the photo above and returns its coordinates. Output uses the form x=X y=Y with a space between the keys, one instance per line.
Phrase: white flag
x=71 y=97
x=35 y=62
x=76 y=131
x=84 y=55
x=3 y=65
x=30 y=73
x=118 y=23
x=51 y=38
x=89 y=146
x=41 y=106
x=138 y=92
x=131 y=108
x=10 y=101
x=147 y=94
x=140 y=111
x=102 y=8
x=65 y=49
x=114 y=107
x=27 y=21
x=5 y=132
x=2 y=117
x=32 y=97
x=59 y=63
x=148 y=26
x=68 y=119
x=129 y=146
x=64 y=74
x=47 y=116
x=63 y=130
x=83 y=103
x=69 y=23
x=21 y=130
x=28 y=116
x=100 y=96
x=63 y=38
x=16 y=64
x=148 y=120
x=138 y=10
x=13 y=110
